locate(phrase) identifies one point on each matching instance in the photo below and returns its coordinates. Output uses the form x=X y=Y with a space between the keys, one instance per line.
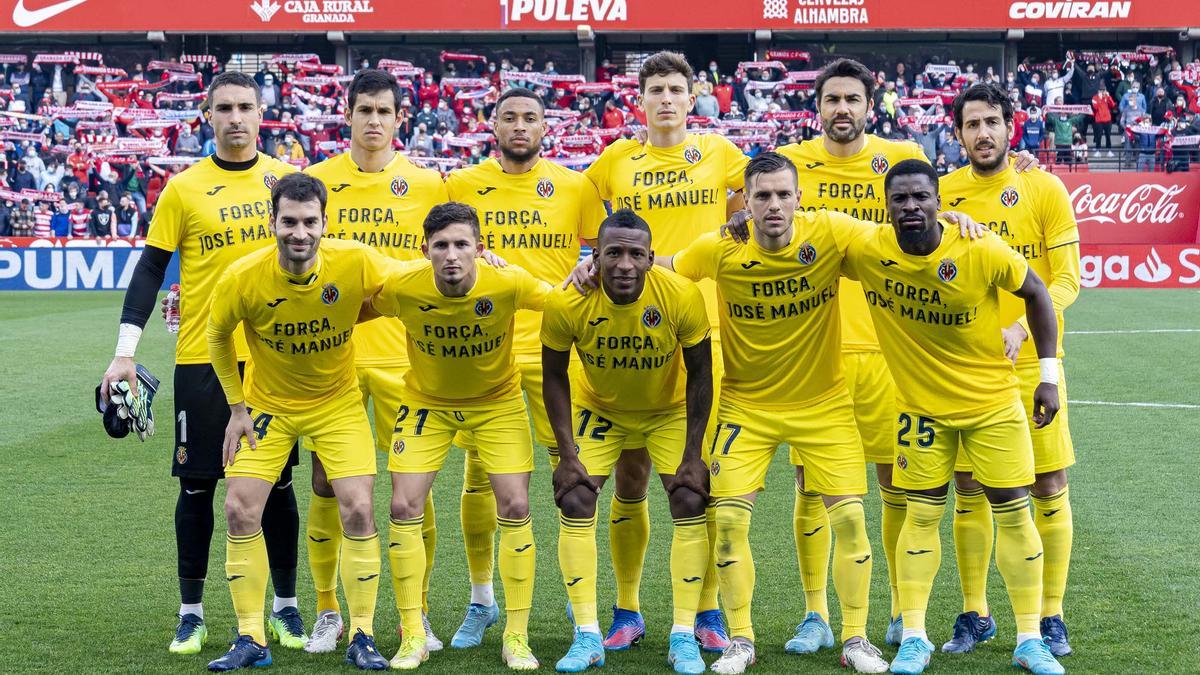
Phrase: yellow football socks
x=478 y=518
x=973 y=539
x=518 y=558
x=708 y=594
x=1052 y=516
x=324 y=530
x=246 y=569
x=1019 y=558
x=429 y=536
x=811 y=525
x=851 y=564
x=919 y=554
x=577 y=560
x=735 y=563
x=360 y=579
x=628 y=537
x=895 y=506
x=406 y=553
x=690 y=558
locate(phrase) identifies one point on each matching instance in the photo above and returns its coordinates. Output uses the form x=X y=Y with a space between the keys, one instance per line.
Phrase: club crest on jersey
x=545 y=188
x=1009 y=197
x=484 y=307
x=329 y=294
x=181 y=455
x=270 y=180
x=399 y=186
x=807 y=254
x=902 y=461
x=880 y=164
x=651 y=317
x=947 y=270
x=692 y=154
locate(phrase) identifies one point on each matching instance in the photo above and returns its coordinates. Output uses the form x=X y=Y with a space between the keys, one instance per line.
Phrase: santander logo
x=1148 y=203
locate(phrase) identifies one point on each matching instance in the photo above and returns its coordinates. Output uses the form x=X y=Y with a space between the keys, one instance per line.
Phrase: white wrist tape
x=1049 y=368
x=127 y=339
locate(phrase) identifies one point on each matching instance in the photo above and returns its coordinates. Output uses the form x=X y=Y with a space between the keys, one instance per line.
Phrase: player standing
x=678 y=182
x=1031 y=212
x=934 y=299
x=214 y=213
x=298 y=306
x=534 y=213
x=631 y=335
x=377 y=197
x=458 y=317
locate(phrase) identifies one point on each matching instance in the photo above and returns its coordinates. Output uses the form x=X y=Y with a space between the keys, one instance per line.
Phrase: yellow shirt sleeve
x=598 y=172
x=166 y=230
x=556 y=324
x=701 y=259
x=735 y=165
x=693 y=324
x=1062 y=239
x=1008 y=268
x=592 y=211
x=531 y=291
x=223 y=318
x=847 y=230
x=376 y=269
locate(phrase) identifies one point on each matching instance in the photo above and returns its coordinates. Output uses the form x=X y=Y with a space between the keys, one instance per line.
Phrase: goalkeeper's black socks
x=193 y=535
x=281 y=529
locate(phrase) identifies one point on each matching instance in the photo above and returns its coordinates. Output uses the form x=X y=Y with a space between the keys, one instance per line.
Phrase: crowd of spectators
x=88 y=146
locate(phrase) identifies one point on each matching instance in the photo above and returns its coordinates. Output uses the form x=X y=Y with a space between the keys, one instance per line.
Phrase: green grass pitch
x=87 y=554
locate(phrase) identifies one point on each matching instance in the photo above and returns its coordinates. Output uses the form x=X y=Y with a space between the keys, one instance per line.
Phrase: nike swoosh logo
x=814 y=165
x=615 y=521
x=319 y=541
x=1035 y=557
x=1050 y=513
x=690 y=580
x=368 y=577
x=957 y=201
x=887 y=263
x=215 y=190
x=637 y=157
x=31 y=17
x=598 y=321
x=195 y=492
x=962 y=510
x=426 y=308
x=526 y=546
x=809 y=534
x=235 y=577
x=484 y=191
x=574 y=581
x=752 y=263
x=276 y=303
x=725 y=564
x=924 y=550
x=863 y=560
x=339 y=188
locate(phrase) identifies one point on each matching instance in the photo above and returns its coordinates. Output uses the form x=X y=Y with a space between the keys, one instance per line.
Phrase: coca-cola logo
x=1148 y=203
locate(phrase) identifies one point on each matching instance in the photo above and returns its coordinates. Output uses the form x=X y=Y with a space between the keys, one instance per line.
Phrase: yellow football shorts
x=602 y=436
x=422 y=436
x=338 y=432
x=383 y=387
x=822 y=436
x=530 y=367
x=1052 y=446
x=996 y=443
x=874 y=395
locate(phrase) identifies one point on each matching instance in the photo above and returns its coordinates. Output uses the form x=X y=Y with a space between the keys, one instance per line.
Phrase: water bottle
x=172 y=317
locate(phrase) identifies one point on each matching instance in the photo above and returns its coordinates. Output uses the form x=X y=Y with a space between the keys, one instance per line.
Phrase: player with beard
x=533 y=213
x=1032 y=212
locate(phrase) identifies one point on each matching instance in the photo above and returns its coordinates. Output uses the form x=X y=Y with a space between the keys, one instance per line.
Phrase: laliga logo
x=1149 y=203
x=1153 y=270
x=565 y=10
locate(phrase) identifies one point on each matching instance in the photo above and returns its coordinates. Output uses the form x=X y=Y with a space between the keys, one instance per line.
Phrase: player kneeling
x=631 y=335
x=298 y=304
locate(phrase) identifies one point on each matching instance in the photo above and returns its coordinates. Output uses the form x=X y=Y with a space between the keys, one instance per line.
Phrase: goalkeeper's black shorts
x=201 y=414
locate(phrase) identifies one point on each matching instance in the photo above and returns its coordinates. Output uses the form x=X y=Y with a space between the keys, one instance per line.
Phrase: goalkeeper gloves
x=127 y=412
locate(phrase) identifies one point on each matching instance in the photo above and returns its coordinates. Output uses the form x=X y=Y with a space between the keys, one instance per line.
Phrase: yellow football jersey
x=1032 y=213
x=384 y=210
x=854 y=186
x=461 y=349
x=779 y=309
x=535 y=220
x=630 y=353
x=938 y=318
x=299 y=326
x=681 y=191
x=212 y=217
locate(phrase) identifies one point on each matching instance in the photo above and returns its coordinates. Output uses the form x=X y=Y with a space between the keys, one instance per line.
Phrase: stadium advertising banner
x=1140 y=266
x=605 y=15
x=1146 y=208
x=63 y=264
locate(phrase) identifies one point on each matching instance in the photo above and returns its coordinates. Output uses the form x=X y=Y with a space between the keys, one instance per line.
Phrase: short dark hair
x=664 y=63
x=768 y=162
x=298 y=187
x=845 y=68
x=911 y=167
x=625 y=219
x=373 y=81
x=232 y=78
x=990 y=94
x=519 y=92
x=450 y=213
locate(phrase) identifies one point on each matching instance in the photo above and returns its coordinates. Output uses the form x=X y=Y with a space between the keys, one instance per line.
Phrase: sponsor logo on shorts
x=947 y=270
x=1009 y=197
x=545 y=188
x=692 y=154
x=807 y=254
x=484 y=307
x=399 y=186
x=880 y=164
x=651 y=318
x=329 y=294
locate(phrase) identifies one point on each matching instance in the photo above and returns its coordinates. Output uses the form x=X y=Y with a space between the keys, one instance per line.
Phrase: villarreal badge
x=947 y=270
x=651 y=317
x=329 y=294
x=181 y=455
x=807 y=254
x=398 y=446
x=715 y=468
x=902 y=462
x=880 y=164
x=484 y=307
x=1009 y=197
x=270 y=180
x=399 y=186
x=692 y=154
x=545 y=188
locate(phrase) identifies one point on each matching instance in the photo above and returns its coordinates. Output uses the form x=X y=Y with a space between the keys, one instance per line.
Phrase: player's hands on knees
x=693 y=475
x=1045 y=404
x=967 y=226
x=738 y=227
x=1014 y=337
x=121 y=368
x=489 y=256
x=569 y=475
x=583 y=277
x=240 y=426
x=1024 y=161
